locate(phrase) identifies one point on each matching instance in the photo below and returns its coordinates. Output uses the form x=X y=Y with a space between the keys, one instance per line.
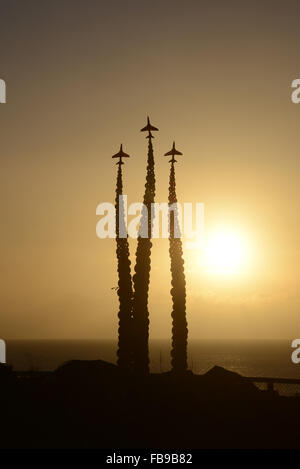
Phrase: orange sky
x=81 y=78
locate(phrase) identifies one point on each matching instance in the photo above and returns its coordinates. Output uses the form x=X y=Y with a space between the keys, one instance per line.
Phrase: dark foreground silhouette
x=92 y=404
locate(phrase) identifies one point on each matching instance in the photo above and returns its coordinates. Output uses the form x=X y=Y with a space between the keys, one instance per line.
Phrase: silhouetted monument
x=125 y=337
x=178 y=290
x=133 y=339
x=141 y=277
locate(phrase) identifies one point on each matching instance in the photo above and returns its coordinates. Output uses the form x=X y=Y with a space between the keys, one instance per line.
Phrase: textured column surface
x=125 y=331
x=141 y=278
x=178 y=290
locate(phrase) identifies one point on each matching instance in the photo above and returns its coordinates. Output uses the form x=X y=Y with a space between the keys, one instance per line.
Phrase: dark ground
x=91 y=404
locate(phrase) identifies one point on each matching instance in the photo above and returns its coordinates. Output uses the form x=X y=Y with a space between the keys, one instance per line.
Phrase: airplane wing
x=173 y=152
x=121 y=154
x=149 y=127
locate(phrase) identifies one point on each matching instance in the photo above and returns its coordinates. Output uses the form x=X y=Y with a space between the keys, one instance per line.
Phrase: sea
x=259 y=358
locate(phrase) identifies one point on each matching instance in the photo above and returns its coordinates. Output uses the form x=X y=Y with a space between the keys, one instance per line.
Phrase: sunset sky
x=81 y=78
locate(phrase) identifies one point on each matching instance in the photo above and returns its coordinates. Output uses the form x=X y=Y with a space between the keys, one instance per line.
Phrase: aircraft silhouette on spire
x=120 y=155
x=173 y=152
x=148 y=128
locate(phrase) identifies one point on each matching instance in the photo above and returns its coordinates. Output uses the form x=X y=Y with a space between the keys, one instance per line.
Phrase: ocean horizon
x=266 y=358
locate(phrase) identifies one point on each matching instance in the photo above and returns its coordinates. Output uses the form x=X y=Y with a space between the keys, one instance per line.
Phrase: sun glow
x=224 y=252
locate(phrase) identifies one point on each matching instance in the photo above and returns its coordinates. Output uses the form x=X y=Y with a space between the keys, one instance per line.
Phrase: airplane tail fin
x=149 y=127
x=121 y=153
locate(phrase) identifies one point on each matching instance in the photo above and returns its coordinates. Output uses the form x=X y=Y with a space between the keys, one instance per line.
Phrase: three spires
x=133 y=347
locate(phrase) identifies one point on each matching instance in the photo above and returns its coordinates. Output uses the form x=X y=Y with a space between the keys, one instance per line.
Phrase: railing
x=284 y=386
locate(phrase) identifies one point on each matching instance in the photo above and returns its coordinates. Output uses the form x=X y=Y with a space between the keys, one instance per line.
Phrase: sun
x=223 y=252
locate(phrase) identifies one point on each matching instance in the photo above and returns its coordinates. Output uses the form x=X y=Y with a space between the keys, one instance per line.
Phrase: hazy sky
x=81 y=77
